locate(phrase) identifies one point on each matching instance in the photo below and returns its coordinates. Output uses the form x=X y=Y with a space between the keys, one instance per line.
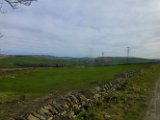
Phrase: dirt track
x=153 y=112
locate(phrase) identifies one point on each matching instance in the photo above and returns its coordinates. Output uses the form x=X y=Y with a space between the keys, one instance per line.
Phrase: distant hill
x=121 y=60
x=52 y=61
x=39 y=61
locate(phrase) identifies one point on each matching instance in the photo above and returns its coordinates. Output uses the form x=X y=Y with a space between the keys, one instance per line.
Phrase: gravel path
x=153 y=112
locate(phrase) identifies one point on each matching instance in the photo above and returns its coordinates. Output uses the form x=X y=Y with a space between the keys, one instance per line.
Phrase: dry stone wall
x=71 y=105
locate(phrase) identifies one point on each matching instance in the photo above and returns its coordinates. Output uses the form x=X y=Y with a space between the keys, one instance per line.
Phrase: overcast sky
x=81 y=28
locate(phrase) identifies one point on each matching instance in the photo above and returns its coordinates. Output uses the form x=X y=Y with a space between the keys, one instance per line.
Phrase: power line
x=128 y=54
x=128 y=51
x=102 y=58
x=102 y=54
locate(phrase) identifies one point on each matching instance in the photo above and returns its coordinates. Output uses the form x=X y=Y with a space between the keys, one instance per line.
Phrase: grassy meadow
x=44 y=80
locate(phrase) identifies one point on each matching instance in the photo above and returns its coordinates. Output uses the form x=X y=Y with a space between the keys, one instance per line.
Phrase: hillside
x=51 y=61
x=121 y=60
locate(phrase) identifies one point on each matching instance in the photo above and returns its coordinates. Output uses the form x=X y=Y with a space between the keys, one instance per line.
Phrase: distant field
x=45 y=61
x=16 y=61
x=42 y=81
x=40 y=61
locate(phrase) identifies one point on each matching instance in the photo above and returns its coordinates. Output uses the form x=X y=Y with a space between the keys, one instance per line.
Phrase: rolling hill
x=51 y=61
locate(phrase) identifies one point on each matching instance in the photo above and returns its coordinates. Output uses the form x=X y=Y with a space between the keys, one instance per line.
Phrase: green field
x=39 y=82
x=42 y=81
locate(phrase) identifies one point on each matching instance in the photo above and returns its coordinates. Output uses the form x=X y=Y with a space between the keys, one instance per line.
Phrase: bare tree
x=14 y=3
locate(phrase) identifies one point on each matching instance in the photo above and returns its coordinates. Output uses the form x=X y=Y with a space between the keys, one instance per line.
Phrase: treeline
x=39 y=65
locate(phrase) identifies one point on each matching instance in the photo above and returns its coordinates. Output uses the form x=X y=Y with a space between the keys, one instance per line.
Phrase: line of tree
x=39 y=65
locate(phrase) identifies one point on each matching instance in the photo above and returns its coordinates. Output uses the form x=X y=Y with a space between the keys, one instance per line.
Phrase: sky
x=82 y=28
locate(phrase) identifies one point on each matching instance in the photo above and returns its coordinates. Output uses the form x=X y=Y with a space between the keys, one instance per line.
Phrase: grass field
x=38 y=82
x=43 y=81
